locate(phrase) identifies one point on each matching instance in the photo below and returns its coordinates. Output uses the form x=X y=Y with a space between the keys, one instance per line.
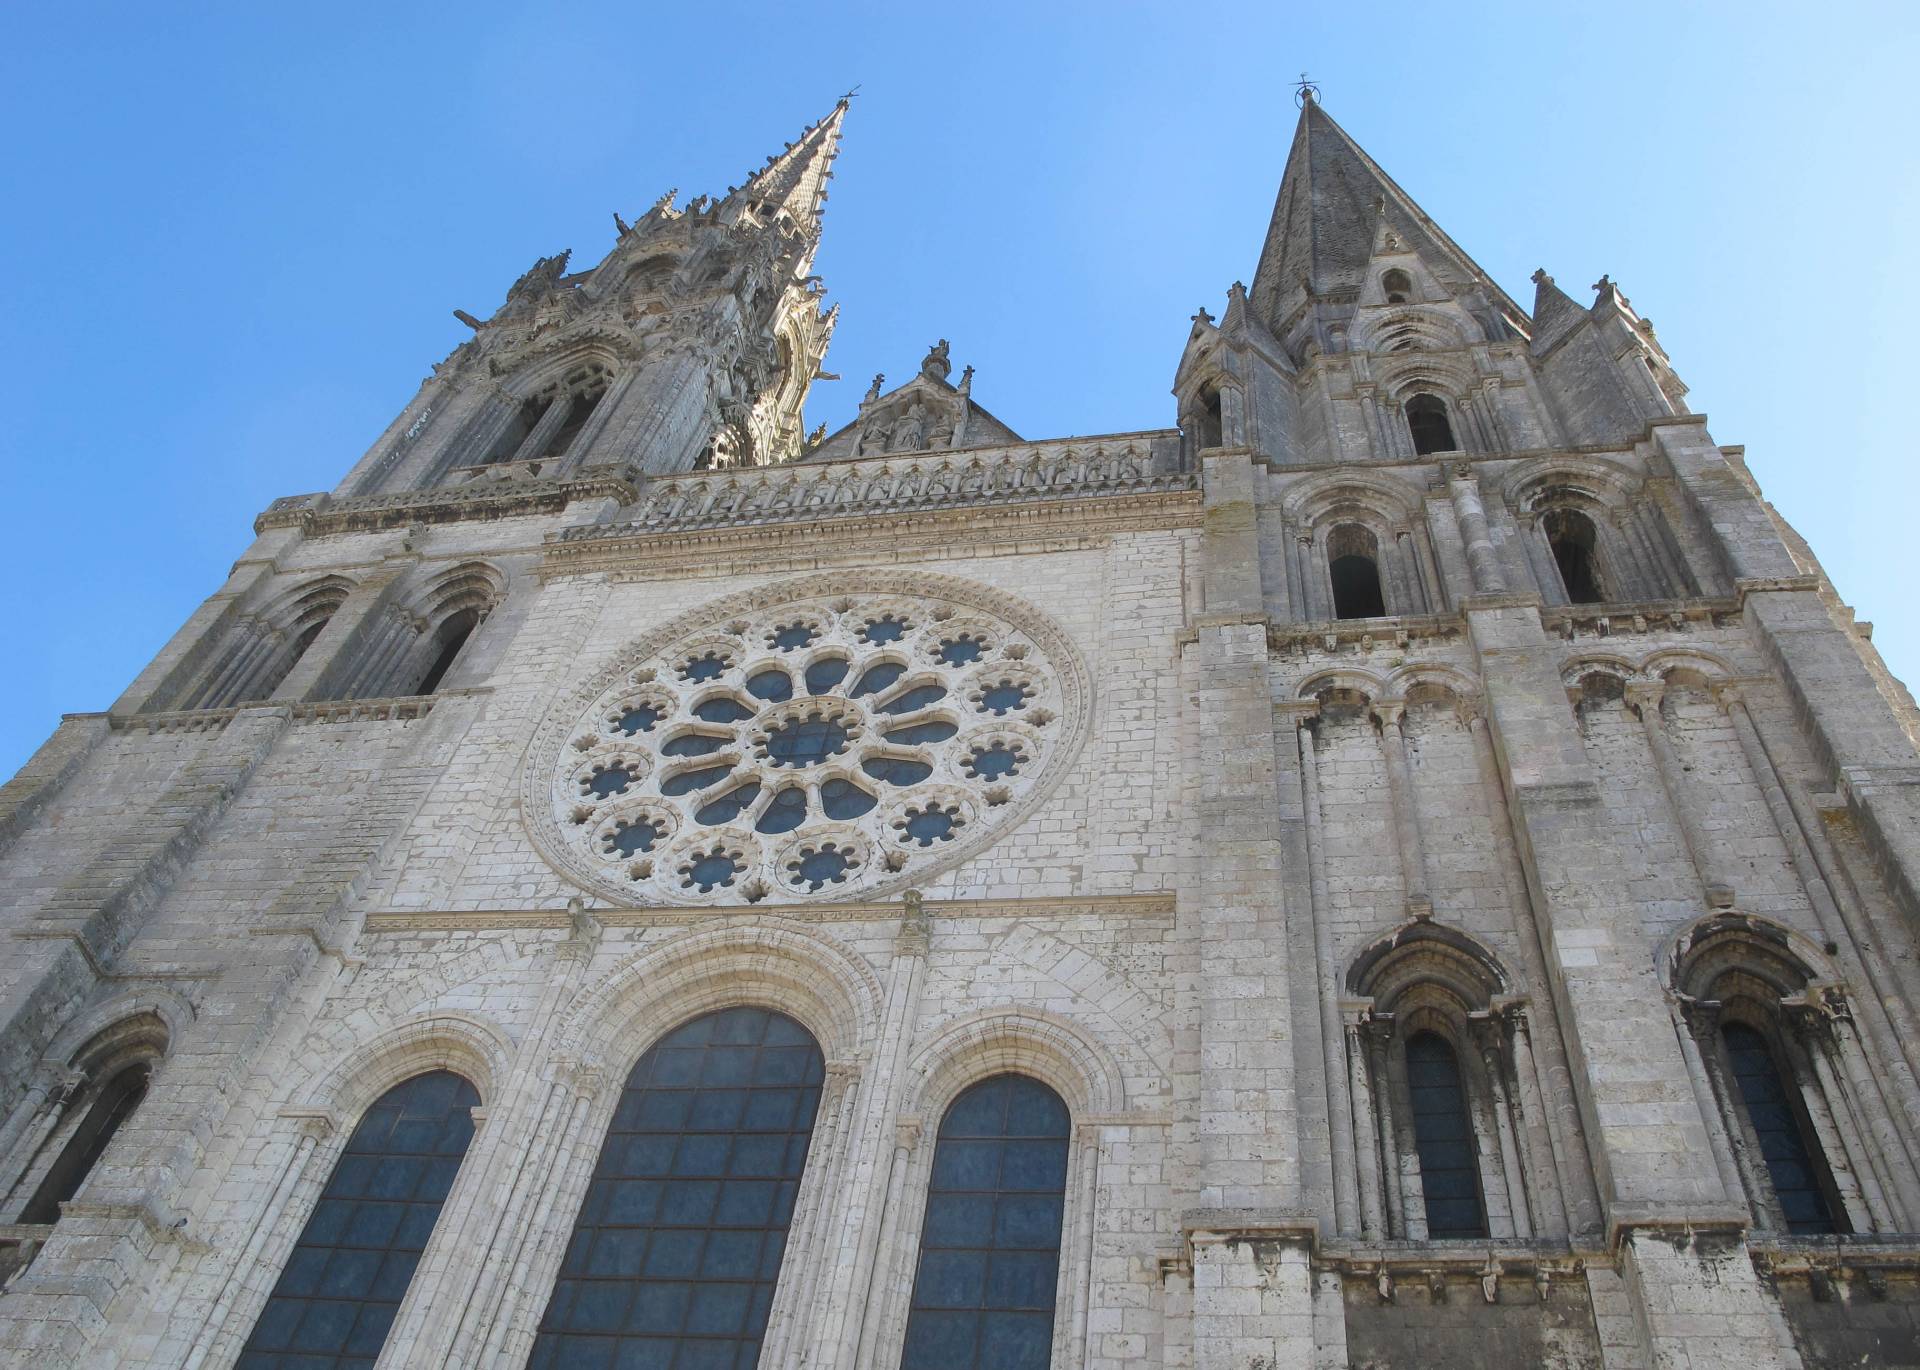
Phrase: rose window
x=827 y=746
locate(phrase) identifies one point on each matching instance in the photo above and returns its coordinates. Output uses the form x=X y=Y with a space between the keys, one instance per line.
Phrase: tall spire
x=796 y=179
x=1327 y=216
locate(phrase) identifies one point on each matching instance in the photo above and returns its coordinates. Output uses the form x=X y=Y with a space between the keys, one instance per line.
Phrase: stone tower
x=1412 y=865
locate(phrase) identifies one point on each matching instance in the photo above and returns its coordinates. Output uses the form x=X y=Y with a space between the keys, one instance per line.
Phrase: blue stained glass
x=930 y=826
x=991 y=763
x=886 y=628
x=684 y=782
x=896 y=770
x=638 y=718
x=826 y=673
x=877 y=678
x=806 y=741
x=919 y=734
x=787 y=811
x=773 y=685
x=842 y=799
x=919 y=697
x=632 y=839
x=1783 y=1145
x=818 y=869
x=689 y=1285
x=958 y=651
x=999 y=699
x=694 y=744
x=710 y=666
x=728 y=806
x=722 y=709
x=1449 y=1174
x=609 y=781
x=713 y=869
x=983 y=1295
x=793 y=636
x=339 y=1290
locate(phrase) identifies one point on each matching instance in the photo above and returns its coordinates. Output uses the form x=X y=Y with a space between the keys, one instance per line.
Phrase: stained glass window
x=1790 y=1163
x=983 y=1295
x=1449 y=1175
x=341 y=1287
x=677 y=1248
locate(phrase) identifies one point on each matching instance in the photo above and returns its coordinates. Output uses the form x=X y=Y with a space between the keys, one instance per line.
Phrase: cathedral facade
x=1412 y=865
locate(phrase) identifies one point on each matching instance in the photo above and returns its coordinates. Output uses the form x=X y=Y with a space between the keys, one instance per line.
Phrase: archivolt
x=1051 y=1048
x=770 y=962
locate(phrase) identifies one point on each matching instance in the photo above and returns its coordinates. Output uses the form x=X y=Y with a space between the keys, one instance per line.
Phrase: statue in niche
x=942 y=435
x=936 y=366
x=910 y=432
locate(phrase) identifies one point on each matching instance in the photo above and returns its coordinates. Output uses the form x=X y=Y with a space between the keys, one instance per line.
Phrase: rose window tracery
x=823 y=747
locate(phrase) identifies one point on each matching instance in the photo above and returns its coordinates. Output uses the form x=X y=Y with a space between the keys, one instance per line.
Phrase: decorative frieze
x=510 y=490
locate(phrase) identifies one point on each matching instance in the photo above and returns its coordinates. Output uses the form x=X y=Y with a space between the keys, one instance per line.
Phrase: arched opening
x=1353 y=566
x=88 y=1142
x=1443 y=1139
x=580 y=407
x=338 y=1292
x=1573 y=538
x=1397 y=285
x=1799 y=1174
x=1207 y=417
x=985 y=1287
x=449 y=638
x=1432 y=429
x=679 y=1243
x=525 y=419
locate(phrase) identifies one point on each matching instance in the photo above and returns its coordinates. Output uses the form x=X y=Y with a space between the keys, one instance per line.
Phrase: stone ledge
x=320 y=514
x=655 y=915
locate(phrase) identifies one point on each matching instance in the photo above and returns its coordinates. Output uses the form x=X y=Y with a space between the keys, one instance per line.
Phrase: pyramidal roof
x=1326 y=219
x=796 y=179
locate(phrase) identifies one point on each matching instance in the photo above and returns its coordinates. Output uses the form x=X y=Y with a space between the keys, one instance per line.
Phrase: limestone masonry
x=1412 y=866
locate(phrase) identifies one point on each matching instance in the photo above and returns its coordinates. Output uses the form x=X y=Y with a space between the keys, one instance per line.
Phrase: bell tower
x=690 y=344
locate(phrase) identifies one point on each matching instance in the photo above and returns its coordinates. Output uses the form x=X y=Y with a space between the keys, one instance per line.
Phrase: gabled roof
x=1326 y=218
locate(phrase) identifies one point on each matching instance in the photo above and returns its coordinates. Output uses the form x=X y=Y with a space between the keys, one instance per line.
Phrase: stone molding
x=515 y=494
x=661 y=915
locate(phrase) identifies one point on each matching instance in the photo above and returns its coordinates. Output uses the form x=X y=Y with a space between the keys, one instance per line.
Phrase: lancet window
x=987 y=1279
x=1780 y=1055
x=1440 y=1064
x=338 y=1292
x=1353 y=566
x=678 y=1246
x=1432 y=429
x=68 y=1119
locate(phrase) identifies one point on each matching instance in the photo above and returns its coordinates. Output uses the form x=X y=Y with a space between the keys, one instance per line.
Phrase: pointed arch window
x=985 y=1287
x=448 y=639
x=1431 y=428
x=337 y=1296
x=1799 y=1180
x=109 y=1108
x=678 y=1246
x=1443 y=1139
x=1353 y=566
x=1575 y=540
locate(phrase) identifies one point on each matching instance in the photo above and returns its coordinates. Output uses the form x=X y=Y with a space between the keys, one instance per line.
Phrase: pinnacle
x=796 y=178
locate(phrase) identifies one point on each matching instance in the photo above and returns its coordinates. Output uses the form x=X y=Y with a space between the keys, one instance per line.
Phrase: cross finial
x=1305 y=91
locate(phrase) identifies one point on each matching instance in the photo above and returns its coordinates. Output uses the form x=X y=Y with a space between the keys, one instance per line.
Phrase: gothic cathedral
x=1413 y=865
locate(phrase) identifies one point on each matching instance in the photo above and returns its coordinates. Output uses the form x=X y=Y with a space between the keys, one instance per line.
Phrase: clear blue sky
x=235 y=233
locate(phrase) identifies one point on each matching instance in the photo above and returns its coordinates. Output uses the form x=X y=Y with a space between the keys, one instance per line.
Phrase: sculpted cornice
x=319 y=514
x=870 y=539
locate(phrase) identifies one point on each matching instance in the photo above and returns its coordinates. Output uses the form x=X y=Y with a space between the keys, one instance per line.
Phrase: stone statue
x=942 y=434
x=874 y=435
x=910 y=433
x=936 y=366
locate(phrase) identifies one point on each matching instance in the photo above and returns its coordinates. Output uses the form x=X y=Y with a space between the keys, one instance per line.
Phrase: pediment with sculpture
x=927 y=414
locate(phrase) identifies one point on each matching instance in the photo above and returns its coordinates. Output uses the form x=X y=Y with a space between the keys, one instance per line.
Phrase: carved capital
x=1642 y=695
x=1388 y=712
x=906 y=1133
x=1702 y=1017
